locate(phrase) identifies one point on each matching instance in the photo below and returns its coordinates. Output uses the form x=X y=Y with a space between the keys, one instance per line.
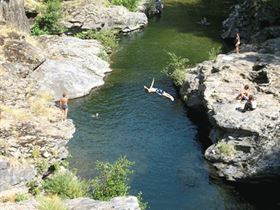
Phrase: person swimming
x=158 y=91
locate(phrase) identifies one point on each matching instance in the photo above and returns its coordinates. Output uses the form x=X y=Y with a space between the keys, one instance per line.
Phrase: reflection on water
x=150 y=130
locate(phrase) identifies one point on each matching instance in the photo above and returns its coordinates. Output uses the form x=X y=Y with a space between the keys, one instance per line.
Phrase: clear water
x=150 y=130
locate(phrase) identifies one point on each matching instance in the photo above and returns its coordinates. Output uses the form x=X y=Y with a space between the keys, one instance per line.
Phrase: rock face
x=118 y=203
x=72 y=66
x=256 y=20
x=88 y=15
x=30 y=124
x=246 y=145
x=12 y=13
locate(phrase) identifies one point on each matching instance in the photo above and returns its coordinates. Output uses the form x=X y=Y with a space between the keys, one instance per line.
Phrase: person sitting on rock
x=243 y=96
x=250 y=105
x=64 y=105
x=160 y=92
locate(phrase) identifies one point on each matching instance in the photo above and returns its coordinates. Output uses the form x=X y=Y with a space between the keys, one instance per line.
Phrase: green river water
x=157 y=134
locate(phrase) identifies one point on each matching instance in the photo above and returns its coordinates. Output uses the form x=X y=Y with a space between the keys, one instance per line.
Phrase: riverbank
x=34 y=72
x=245 y=145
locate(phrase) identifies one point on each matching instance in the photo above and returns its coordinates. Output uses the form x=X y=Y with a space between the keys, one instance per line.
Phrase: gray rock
x=73 y=66
x=12 y=13
x=15 y=174
x=118 y=203
x=91 y=16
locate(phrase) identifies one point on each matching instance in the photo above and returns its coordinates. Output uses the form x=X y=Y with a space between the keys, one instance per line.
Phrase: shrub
x=176 y=69
x=51 y=203
x=33 y=187
x=129 y=4
x=106 y=37
x=36 y=153
x=143 y=205
x=21 y=197
x=66 y=185
x=47 y=22
x=214 y=52
x=226 y=149
x=112 y=180
x=42 y=165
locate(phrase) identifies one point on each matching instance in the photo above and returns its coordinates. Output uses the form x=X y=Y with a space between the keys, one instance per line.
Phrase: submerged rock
x=253 y=135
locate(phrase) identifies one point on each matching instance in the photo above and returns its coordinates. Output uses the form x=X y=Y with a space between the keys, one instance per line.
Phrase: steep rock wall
x=12 y=13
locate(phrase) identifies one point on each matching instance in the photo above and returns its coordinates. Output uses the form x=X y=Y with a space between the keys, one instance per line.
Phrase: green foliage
x=50 y=203
x=47 y=22
x=66 y=186
x=106 y=37
x=226 y=149
x=21 y=197
x=213 y=53
x=143 y=205
x=42 y=165
x=176 y=68
x=129 y=4
x=36 y=153
x=112 y=180
x=34 y=187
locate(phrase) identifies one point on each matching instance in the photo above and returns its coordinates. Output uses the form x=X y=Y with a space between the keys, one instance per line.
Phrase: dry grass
x=51 y=203
x=32 y=4
x=14 y=113
x=41 y=105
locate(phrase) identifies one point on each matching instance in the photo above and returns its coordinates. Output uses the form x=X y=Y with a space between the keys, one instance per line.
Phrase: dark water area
x=160 y=136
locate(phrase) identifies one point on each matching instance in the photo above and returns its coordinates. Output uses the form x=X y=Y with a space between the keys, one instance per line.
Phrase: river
x=152 y=131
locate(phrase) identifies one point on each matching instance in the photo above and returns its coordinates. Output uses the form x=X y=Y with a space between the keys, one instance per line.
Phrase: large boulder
x=73 y=66
x=12 y=13
x=246 y=145
x=91 y=16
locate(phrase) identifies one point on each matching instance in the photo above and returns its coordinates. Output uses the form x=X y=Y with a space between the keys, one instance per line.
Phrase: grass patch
x=21 y=197
x=15 y=113
x=50 y=203
x=36 y=153
x=42 y=165
x=226 y=149
x=176 y=68
x=106 y=37
x=66 y=185
x=129 y=4
x=214 y=52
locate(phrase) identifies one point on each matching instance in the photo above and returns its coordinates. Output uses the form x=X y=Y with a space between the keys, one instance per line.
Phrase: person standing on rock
x=237 y=43
x=64 y=105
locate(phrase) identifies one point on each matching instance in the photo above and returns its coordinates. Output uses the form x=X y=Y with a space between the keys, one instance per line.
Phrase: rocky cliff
x=246 y=145
x=12 y=13
x=255 y=20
